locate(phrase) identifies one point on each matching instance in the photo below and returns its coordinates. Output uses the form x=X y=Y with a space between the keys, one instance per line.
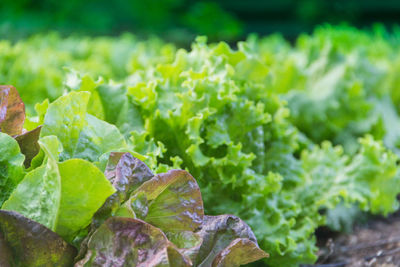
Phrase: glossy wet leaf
x=12 y=110
x=225 y=234
x=32 y=244
x=130 y=242
x=188 y=243
x=175 y=202
x=239 y=252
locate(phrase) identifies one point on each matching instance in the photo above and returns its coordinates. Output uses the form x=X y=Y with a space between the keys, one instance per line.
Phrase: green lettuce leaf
x=369 y=179
x=171 y=201
x=38 y=196
x=188 y=243
x=62 y=196
x=81 y=135
x=11 y=168
x=240 y=251
x=84 y=190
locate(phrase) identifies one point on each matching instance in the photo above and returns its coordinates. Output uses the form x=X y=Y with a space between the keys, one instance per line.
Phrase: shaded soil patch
x=376 y=243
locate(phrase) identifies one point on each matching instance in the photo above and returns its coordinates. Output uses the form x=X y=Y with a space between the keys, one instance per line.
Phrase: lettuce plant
x=278 y=134
x=213 y=112
x=79 y=201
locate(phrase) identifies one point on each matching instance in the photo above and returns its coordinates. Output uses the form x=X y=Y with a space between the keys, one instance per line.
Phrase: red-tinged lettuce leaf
x=6 y=259
x=175 y=258
x=28 y=143
x=126 y=173
x=32 y=244
x=12 y=110
x=174 y=201
x=130 y=242
x=240 y=251
x=223 y=235
x=188 y=243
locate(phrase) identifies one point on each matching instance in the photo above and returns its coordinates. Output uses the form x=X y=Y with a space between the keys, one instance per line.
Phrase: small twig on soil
x=338 y=264
x=389 y=252
x=378 y=243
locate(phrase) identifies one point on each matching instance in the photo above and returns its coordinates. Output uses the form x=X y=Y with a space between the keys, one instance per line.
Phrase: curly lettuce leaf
x=369 y=179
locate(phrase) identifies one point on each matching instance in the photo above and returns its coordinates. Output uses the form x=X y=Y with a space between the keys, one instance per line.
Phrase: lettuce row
x=83 y=198
x=249 y=123
x=214 y=112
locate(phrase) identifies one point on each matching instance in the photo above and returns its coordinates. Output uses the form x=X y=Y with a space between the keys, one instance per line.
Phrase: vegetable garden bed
x=288 y=138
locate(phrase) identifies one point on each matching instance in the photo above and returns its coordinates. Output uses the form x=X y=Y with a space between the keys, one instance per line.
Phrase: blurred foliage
x=181 y=20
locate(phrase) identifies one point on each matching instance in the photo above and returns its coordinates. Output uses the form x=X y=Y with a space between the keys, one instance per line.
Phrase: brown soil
x=375 y=244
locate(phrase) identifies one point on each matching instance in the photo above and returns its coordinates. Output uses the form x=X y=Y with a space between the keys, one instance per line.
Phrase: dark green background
x=181 y=20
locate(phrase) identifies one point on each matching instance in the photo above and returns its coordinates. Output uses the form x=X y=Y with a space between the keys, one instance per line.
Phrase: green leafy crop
x=284 y=136
x=83 y=192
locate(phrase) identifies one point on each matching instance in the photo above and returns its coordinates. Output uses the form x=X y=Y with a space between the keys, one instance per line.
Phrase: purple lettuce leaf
x=167 y=208
x=31 y=244
x=28 y=143
x=240 y=251
x=125 y=173
x=227 y=240
x=6 y=259
x=130 y=242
